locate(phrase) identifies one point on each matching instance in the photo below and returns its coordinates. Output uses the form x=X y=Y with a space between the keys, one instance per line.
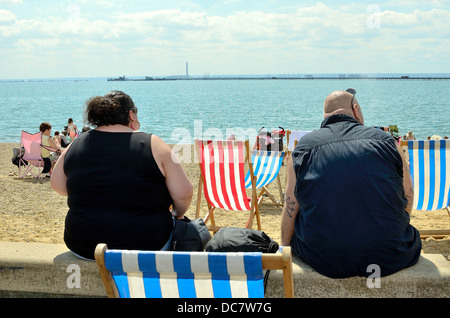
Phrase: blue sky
x=96 y=38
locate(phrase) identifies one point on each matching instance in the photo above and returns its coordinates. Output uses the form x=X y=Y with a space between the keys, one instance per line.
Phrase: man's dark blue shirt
x=352 y=201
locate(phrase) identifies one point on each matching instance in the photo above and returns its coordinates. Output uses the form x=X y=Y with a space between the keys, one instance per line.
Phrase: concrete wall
x=44 y=270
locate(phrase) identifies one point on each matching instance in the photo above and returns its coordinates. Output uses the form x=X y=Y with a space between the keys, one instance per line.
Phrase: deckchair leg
x=288 y=277
x=249 y=223
x=265 y=191
x=258 y=219
x=213 y=228
x=280 y=190
x=253 y=215
x=437 y=234
x=199 y=197
x=271 y=197
x=209 y=215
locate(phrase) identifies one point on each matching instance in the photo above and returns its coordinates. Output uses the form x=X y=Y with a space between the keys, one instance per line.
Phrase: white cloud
x=14 y=2
x=311 y=38
x=6 y=16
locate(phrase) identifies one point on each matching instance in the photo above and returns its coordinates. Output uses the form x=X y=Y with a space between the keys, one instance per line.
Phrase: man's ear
x=356 y=112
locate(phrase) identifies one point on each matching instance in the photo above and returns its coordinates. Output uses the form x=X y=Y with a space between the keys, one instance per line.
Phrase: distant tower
x=187 y=69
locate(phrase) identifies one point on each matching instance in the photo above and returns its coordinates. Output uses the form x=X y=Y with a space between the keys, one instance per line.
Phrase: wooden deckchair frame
x=270 y=261
x=254 y=209
x=288 y=137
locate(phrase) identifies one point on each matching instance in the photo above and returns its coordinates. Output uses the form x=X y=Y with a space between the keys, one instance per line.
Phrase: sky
x=110 y=38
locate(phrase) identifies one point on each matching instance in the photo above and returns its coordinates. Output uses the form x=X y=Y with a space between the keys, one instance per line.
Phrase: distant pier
x=191 y=78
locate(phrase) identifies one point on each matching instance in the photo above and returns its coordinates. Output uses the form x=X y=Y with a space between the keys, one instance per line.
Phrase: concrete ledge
x=429 y=278
x=48 y=269
x=51 y=269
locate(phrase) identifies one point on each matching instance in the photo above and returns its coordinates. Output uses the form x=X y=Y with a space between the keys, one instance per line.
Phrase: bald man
x=346 y=208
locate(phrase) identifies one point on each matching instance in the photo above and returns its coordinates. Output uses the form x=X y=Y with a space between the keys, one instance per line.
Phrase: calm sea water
x=179 y=111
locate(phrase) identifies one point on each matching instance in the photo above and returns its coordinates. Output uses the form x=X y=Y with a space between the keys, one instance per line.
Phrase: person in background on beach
x=64 y=141
x=72 y=129
x=349 y=197
x=49 y=148
x=57 y=139
x=435 y=137
x=120 y=182
x=60 y=140
x=410 y=136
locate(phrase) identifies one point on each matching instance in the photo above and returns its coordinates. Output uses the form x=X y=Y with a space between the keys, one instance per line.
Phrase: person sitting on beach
x=57 y=139
x=349 y=197
x=85 y=129
x=49 y=148
x=120 y=182
x=410 y=136
x=64 y=141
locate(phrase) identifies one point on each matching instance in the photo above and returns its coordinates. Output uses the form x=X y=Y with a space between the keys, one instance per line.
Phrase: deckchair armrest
x=274 y=261
x=51 y=148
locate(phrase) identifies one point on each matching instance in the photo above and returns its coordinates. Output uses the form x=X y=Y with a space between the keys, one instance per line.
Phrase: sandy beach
x=31 y=212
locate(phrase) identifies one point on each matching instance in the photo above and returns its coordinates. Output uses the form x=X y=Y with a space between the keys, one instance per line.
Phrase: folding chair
x=222 y=165
x=32 y=159
x=293 y=136
x=266 y=165
x=163 y=274
x=429 y=162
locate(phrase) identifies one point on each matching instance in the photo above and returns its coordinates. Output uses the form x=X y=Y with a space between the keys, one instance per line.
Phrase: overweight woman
x=120 y=183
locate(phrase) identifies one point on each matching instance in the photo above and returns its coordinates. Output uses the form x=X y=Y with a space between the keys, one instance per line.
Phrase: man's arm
x=291 y=206
x=407 y=181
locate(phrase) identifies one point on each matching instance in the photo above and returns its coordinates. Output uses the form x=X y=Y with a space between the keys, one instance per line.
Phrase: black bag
x=268 y=141
x=233 y=239
x=190 y=235
x=17 y=155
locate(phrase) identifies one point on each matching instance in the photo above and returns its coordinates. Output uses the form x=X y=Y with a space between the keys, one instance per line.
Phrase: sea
x=179 y=111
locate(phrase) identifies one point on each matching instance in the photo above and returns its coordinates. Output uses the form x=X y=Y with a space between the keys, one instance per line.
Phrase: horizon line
x=209 y=76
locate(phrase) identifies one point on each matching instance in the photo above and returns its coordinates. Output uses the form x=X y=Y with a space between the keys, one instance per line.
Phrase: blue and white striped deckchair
x=429 y=162
x=293 y=136
x=162 y=274
x=266 y=168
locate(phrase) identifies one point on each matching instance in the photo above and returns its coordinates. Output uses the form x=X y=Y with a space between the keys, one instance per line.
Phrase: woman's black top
x=116 y=194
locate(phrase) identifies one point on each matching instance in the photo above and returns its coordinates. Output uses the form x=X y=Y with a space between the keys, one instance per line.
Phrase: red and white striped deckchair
x=222 y=165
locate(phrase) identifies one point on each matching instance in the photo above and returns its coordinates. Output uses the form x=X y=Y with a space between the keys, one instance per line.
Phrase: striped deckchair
x=266 y=166
x=222 y=167
x=162 y=274
x=429 y=162
x=293 y=136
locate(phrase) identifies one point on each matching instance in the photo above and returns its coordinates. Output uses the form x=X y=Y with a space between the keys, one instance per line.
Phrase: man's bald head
x=340 y=102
